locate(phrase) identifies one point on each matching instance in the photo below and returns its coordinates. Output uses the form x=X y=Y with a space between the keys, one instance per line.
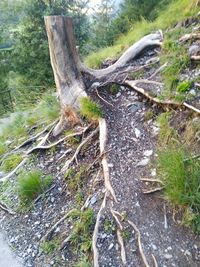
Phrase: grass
x=75 y=179
x=181 y=180
x=11 y=162
x=90 y=109
x=48 y=247
x=109 y=226
x=32 y=184
x=180 y=176
x=174 y=13
x=81 y=237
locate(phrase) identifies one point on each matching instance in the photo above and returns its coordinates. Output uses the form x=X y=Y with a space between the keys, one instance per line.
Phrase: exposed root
x=49 y=233
x=41 y=147
x=5 y=178
x=133 y=85
x=114 y=213
x=95 y=233
x=139 y=243
x=190 y=36
x=103 y=99
x=6 y=209
x=121 y=242
x=195 y=58
x=154 y=261
x=151 y=180
x=35 y=137
x=64 y=154
x=153 y=190
x=103 y=140
x=64 y=243
x=85 y=141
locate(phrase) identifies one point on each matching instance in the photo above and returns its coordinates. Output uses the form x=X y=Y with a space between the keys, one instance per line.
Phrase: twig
x=51 y=230
x=153 y=190
x=5 y=178
x=6 y=209
x=69 y=162
x=121 y=242
x=190 y=36
x=139 y=243
x=154 y=261
x=104 y=99
x=64 y=154
x=103 y=140
x=158 y=70
x=43 y=194
x=165 y=217
x=95 y=233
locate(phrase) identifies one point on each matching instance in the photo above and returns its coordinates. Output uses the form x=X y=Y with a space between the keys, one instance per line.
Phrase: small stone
x=148 y=153
x=111 y=246
x=143 y=162
x=52 y=199
x=167 y=256
x=153 y=172
x=154 y=247
x=137 y=133
x=37 y=223
x=118 y=94
x=110 y=165
x=93 y=200
x=192 y=92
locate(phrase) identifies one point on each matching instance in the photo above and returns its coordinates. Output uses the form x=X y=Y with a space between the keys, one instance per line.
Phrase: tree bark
x=67 y=75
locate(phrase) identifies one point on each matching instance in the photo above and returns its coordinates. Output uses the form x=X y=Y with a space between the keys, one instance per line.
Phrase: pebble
x=148 y=153
x=167 y=256
x=143 y=162
x=111 y=246
x=137 y=133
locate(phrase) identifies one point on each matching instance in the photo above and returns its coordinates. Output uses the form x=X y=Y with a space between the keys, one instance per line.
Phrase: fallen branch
x=103 y=99
x=103 y=140
x=95 y=233
x=6 y=209
x=139 y=243
x=85 y=141
x=5 y=178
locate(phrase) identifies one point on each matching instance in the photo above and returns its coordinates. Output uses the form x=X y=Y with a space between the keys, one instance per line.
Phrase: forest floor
x=132 y=151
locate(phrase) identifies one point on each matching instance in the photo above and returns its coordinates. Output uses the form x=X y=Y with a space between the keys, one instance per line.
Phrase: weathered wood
x=64 y=61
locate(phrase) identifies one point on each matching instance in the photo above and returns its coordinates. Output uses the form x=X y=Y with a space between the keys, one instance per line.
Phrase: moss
x=48 y=247
x=184 y=86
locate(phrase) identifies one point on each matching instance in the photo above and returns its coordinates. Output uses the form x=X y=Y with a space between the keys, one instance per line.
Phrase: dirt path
x=130 y=139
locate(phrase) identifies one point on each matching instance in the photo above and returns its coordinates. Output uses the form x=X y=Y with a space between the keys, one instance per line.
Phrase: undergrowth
x=11 y=162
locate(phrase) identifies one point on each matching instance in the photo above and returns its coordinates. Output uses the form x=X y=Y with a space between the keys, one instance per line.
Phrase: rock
x=192 y=92
x=148 y=153
x=93 y=200
x=111 y=246
x=194 y=50
x=143 y=162
x=118 y=94
x=167 y=256
x=137 y=133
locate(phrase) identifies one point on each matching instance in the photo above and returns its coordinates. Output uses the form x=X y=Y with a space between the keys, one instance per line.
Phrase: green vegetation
x=83 y=263
x=90 y=109
x=10 y=162
x=179 y=172
x=184 y=86
x=81 y=237
x=76 y=179
x=109 y=226
x=48 y=247
x=148 y=115
x=126 y=234
x=31 y=184
x=172 y=14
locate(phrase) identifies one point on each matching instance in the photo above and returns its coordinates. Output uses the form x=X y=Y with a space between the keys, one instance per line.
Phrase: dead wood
x=153 y=190
x=190 y=36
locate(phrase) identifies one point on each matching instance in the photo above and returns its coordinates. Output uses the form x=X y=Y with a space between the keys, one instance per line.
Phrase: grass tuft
x=90 y=109
x=48 y=247
x=31 y=184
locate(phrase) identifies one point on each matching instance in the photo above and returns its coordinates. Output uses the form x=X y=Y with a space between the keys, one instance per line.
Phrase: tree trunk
x=67 y=75
x=68 y=69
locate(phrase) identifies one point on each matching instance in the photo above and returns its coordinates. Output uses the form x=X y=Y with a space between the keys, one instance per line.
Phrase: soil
x=132 y=144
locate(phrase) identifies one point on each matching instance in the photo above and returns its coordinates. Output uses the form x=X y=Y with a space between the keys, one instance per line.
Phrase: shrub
x=90 y=109
x=31 y=184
